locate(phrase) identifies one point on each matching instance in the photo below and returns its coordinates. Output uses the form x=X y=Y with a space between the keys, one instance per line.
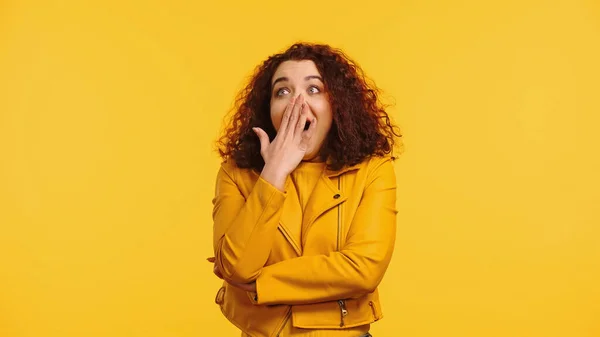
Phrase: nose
x=306 y=102
x=300 y=99
x=308 y=109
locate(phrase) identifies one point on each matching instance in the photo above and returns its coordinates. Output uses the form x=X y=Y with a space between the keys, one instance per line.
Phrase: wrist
x=274 y=176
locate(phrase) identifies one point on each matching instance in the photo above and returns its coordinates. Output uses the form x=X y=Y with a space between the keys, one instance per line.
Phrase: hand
x=288 y=148
x=216 y=269
x=251 y=287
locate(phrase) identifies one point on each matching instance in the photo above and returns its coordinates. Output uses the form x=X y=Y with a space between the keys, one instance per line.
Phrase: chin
x=311 y=156
x=312 y=153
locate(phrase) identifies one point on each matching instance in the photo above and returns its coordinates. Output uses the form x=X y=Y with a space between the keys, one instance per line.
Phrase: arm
x=244 y=229
x=356 y=269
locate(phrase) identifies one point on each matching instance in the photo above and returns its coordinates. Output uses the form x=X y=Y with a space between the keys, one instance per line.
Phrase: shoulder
x=380 y=167
x=230 y=168
x=374 y=163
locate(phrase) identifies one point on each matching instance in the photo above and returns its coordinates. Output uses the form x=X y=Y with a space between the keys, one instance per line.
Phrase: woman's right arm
x=244 y=229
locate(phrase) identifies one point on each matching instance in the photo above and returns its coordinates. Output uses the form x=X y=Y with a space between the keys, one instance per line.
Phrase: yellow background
x=108 y=110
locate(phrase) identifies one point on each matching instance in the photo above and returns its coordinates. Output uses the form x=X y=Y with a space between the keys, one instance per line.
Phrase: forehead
x=296 y=69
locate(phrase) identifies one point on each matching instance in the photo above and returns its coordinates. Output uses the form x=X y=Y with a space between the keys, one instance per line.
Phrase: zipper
x=343 y=311
x=339 y=226
x=285 y=320
x=341 y=303
x=372 y=305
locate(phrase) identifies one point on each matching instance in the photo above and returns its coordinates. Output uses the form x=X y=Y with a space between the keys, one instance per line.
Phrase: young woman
x=305 y=203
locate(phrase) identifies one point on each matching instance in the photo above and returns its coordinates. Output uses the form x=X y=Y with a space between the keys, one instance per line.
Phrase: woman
x=304 y=212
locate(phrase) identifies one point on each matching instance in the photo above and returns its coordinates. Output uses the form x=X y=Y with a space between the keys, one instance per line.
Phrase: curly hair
x=361 y=127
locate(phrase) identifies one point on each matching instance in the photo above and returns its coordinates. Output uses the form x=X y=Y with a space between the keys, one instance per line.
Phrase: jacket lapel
x=325 y=196
x=293 y=224
x=290 y=221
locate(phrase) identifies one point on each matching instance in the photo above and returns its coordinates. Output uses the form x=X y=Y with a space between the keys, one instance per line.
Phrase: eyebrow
x=310 y=77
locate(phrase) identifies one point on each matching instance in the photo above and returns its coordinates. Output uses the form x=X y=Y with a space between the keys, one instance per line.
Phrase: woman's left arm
x=355 y=270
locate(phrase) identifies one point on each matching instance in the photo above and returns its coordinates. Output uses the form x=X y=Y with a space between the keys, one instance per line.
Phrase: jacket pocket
x=255 y=320
x=336 y=314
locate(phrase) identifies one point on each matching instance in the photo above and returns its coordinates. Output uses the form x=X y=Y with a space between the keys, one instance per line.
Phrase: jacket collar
x=324 y=196
x=331 y=174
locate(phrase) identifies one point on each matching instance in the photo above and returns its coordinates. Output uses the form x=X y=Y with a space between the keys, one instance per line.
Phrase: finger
x=286 y=116
x=263 y=138
x=294 y=117
x=217 y=272
x=307 y=135
x=301 y=121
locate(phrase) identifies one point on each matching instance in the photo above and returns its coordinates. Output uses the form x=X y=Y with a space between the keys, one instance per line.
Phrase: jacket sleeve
x=355 y=270
x=244 y=228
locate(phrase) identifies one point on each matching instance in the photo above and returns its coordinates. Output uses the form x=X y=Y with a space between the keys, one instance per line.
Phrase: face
x=293 y=78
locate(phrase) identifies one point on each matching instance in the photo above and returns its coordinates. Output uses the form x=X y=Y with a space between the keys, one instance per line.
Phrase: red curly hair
x=361 y=127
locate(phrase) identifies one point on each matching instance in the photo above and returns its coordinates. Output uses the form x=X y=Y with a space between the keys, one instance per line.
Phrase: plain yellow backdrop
x=108 y=111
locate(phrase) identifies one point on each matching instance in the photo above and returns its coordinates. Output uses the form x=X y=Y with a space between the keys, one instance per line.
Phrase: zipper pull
x=343 y=311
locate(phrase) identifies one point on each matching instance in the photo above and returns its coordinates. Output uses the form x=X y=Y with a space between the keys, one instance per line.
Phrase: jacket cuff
x=269 y=194
x=253 y=296
x=265 y=291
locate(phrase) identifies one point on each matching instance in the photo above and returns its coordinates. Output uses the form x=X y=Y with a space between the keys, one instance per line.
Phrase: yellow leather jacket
x=322 y=277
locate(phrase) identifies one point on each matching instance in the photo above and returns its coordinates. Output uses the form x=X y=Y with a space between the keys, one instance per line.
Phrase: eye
x=282 y=92
x=314 y=89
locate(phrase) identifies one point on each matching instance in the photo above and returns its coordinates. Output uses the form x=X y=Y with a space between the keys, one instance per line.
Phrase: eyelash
x=278 y=92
